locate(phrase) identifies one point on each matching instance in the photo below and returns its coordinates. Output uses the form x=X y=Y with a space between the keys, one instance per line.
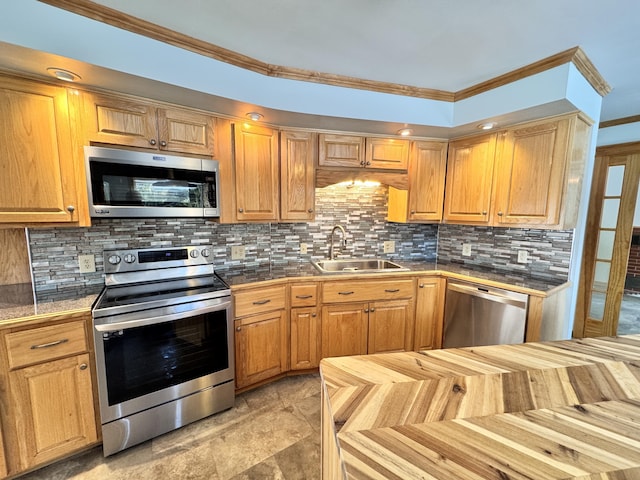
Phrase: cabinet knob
x=413 y=212
x=310 y=210
x=421 y=285
x=372 y=310
x=152 y=141
x=163 y=143
x=71 y=209
x=83 y=366
x=499 y=214
x=484 y=212
x=366 y=310
x=362 y=163
x=314 y=315
x=241 y=210
x=238 y=329
x=368 y=163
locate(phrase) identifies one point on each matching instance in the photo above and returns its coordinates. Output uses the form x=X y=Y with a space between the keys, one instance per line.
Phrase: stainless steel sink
x=369 y=265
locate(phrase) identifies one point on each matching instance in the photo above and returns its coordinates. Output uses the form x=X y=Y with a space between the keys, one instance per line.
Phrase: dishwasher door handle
x=491 y=296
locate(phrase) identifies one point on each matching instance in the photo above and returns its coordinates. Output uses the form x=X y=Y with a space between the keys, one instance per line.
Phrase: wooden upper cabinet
x=256 y=172
x=39 y=167
x=424 y=200
x=114 y=120
x=357 y=152
x=341 y=151
x=533 y=166
x=469 y=182
x=297 y=179
x=387 y=153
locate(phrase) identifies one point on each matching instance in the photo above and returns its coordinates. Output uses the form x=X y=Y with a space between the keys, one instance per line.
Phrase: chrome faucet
x=332 y=254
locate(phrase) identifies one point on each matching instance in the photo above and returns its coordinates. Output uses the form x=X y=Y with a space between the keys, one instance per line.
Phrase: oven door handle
x=169 y=317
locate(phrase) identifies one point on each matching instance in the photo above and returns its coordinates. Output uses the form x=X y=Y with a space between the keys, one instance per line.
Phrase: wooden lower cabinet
x=390 y=326
x=47 y=399
x=53 y=409
x=305 y=338
x=261 y=343
x=344 y=329
x=3 y=462
x=429 y=313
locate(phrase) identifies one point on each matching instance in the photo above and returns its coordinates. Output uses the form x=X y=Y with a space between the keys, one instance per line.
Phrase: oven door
x=162 y=356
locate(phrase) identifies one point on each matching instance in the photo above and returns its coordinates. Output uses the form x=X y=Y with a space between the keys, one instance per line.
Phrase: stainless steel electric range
x=164 y=343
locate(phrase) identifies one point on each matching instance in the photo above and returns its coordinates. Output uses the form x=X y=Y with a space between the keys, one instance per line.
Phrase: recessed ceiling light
x=404 y=132
x=487 y=125
x=255 y=116
x=62 y=74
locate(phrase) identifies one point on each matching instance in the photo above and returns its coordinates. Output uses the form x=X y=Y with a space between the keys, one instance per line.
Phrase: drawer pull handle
x=262 y=302
x=302 y=297
x=83 y=366
x=50 y=344
x=345 y=293
x=394 y=290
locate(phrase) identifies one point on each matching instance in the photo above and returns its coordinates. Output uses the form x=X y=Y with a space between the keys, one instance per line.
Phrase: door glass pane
x=615 y=175
x=610 y=208
x=596 y=310
x=601 y=277
x=605 y=244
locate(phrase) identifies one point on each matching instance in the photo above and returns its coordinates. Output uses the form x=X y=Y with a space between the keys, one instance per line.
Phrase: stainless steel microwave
x=126 y=183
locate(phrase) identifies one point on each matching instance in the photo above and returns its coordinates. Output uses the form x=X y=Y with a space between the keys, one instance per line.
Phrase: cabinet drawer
x=334 y=292
x=250 y=302
x=46 y=343
x=304 y=295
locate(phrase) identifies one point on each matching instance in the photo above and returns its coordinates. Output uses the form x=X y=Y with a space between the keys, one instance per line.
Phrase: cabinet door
x=429 y=313
x=304 y=338
x=344 y=330
x=469 y=180
x=390 y=326
x=184 y=131
x=427 y=170
x=341 y=151
x=261 y=347
x=297 y=180
x=38 y=166
x=387 y=153
x=530 y=174
x=257 y=179
x=53 y=425
x=3 y=462
x=120 y=121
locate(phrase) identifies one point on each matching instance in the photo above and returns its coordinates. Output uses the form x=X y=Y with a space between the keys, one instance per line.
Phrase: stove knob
x=129 y=258
x=205 y=252
x=194 y=254
x=114 y=259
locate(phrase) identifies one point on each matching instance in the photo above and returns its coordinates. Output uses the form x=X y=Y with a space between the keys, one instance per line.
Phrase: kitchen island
x=548 y=410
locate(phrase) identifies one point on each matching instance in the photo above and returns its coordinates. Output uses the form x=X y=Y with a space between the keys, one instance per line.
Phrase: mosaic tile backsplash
x=360 y=209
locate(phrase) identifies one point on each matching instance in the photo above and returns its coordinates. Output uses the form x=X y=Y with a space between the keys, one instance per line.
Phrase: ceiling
x=430 y=44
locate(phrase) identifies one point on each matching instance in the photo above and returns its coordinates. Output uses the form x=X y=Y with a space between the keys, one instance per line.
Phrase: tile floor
x=273 y=432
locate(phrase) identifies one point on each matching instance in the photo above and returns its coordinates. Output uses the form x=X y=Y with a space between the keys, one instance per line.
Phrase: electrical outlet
x=389 y=246
x=303 y=248
x=466 y=249
x=237 y=252
x=87 y=263
x=523 y=256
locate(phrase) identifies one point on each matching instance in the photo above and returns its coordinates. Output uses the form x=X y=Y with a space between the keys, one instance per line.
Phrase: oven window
x=132 y=185
x=146 y=359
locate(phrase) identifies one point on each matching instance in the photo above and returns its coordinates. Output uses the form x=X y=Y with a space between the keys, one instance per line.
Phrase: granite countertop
x=553 y=410
x=17 y=301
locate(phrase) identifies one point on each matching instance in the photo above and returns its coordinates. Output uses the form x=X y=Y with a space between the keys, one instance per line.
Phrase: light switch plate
x=523 y=256
x=237 y=252
x=87 y=263
x=389 y=246
x=303 y=248
x=466 y=249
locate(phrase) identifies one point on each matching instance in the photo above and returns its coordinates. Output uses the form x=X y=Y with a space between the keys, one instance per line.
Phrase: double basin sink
x=367 y=265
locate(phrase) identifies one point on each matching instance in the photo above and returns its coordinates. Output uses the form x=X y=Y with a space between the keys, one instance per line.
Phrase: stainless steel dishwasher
x=479 y=315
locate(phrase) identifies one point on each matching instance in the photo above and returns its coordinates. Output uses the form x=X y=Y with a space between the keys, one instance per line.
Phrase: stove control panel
x=121 y=261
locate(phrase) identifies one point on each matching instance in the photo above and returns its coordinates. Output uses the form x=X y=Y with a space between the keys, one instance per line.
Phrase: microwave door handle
x=114 y=327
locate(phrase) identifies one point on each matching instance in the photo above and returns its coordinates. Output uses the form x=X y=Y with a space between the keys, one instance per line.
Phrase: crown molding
x=115 y=18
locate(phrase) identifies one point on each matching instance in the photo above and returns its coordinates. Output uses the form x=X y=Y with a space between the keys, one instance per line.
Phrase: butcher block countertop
x=549 y=410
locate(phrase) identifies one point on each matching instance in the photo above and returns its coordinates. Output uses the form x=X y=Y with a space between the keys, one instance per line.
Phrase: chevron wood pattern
x=552 y=410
